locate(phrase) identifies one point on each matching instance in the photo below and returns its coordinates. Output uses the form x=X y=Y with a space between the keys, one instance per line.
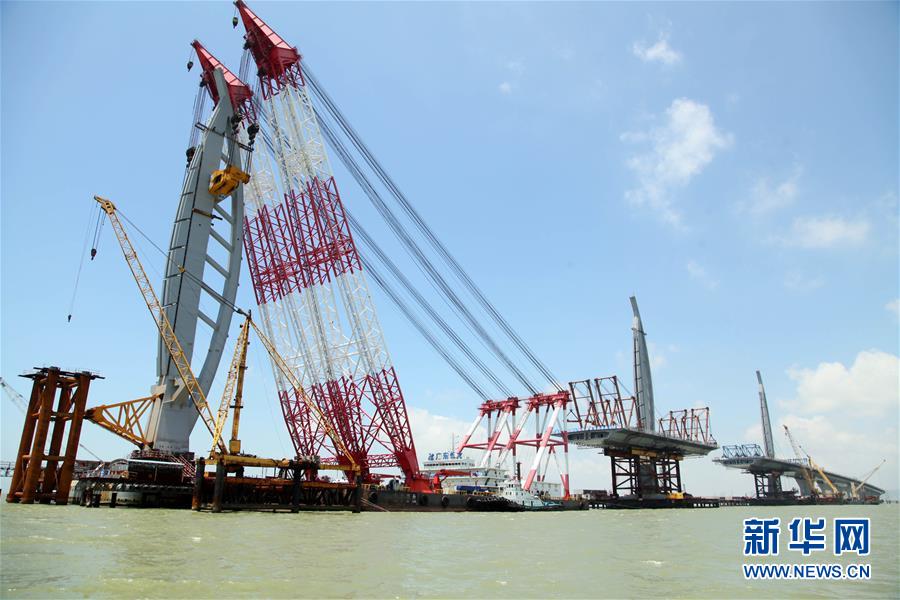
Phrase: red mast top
x=238 y=91
x=277 y=61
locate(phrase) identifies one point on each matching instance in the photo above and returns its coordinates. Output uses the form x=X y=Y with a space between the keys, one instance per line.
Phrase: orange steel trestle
x=38 y=474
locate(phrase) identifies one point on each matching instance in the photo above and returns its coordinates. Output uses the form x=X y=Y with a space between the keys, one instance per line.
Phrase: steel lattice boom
x=309 y=282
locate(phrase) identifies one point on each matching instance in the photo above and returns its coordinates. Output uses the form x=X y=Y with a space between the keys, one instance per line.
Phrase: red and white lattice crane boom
x=309 y=281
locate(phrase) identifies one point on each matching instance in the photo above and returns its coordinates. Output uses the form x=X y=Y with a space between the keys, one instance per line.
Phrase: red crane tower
x=308 y=278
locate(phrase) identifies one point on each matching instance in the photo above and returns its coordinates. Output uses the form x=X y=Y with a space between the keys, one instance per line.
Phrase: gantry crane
x=854 y=488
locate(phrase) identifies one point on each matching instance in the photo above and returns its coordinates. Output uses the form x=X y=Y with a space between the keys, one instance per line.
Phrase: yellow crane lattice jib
x=821 y=471
x=313 y=407
x=234 y=444
x=123 y=418
x=176 y=353
x=240 y=349
x=806 y=470
x=855 y=488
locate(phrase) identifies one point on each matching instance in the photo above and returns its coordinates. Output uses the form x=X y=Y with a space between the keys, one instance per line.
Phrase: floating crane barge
x=338 y=389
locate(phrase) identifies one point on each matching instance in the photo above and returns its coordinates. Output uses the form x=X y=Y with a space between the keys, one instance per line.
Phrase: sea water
x=51 y=551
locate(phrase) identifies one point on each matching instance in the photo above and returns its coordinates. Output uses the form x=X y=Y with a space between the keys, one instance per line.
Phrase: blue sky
x=735 y=166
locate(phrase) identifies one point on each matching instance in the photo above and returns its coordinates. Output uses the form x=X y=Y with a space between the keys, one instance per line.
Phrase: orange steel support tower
x=42 y=473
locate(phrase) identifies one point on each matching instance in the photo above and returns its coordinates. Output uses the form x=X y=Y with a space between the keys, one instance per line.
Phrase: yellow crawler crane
x=854 y=489
x=126 y=425
x=799 y=452
x=125 y=421
x=234 y=387
x=834 y=491
x=805 y=469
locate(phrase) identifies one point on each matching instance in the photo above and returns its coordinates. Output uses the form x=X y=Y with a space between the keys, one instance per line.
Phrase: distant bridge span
x=794 y=469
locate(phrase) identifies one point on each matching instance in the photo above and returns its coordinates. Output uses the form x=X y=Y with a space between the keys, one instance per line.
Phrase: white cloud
x=827 y=232
x=514 y=70
x=658 y=358
x=516 y=67
x=768 y=196
x=566 y=52
x=700 y=274
x=893 y=307
x=868 y=387
x=661 y=51
x=435 y=433
x=754 y=434
x=680 y=149
x=798 y=282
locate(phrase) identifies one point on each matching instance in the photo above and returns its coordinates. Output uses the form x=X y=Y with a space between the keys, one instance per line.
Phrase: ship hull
x=404 y=501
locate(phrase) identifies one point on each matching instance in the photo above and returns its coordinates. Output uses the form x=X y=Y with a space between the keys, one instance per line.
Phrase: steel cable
x=426 y=231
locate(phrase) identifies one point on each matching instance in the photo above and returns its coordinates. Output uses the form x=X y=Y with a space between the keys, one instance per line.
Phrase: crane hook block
x=224 y=181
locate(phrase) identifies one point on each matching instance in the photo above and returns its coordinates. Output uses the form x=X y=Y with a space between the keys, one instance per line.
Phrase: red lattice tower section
x=301 y=246
x=309 y=280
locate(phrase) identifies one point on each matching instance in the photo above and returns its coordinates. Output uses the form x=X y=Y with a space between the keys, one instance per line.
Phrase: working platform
x=645 y=458
x=628 y=438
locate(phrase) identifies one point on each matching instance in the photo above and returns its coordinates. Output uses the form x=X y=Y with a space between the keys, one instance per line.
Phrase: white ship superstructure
x=485 y=479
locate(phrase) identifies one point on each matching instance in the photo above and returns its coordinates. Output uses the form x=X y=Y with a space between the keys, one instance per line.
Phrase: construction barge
x=150 y=479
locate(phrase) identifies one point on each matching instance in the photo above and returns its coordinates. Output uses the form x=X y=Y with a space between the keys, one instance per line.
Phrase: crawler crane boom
x=234 y=387
x=854 y=489
x=797 y=452
x=195 y=392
